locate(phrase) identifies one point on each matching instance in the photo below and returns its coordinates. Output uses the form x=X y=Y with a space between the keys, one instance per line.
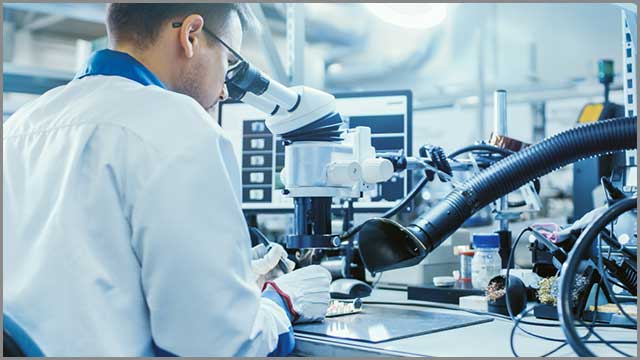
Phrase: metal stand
x=500 y=128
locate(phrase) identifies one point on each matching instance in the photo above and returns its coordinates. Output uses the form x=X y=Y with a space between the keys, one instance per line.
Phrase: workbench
x=489 y=339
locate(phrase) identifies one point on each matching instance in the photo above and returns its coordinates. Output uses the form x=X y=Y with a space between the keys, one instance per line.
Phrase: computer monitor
x=261 y=154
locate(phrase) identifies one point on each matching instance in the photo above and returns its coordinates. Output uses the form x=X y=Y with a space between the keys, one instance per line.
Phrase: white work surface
x=487 y=340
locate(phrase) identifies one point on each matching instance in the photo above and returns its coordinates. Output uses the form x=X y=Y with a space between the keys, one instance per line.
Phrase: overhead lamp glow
x=414 y=16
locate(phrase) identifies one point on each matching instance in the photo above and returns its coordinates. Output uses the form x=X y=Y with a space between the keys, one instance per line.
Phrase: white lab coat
x=123 y=226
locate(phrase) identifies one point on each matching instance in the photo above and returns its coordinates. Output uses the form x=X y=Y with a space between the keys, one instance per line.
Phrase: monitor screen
x=261 y=154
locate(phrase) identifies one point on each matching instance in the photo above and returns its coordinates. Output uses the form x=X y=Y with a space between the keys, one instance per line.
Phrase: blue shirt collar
x=115 y=63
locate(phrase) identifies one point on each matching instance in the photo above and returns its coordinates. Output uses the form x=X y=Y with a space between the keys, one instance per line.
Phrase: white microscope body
x=323 y=160
x=342 y=169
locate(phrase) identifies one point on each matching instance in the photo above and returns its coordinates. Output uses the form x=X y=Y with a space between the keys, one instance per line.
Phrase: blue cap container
x=486 y=241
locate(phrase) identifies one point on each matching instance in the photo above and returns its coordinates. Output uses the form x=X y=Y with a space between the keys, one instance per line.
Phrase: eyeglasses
x=238 y=59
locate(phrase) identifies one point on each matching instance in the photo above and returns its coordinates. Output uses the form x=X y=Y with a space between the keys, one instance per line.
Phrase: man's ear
x=189 y=31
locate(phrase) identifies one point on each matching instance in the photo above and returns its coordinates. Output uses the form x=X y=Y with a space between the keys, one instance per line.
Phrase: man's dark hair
x=140 y=24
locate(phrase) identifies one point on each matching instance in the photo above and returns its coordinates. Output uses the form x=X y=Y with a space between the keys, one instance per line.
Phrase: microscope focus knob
x=376 y=170
x=343 y=172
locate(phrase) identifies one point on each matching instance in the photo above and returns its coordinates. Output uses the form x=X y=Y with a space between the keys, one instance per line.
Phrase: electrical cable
x=497 y=317
x=590 y=328
x=608 y=343
x=394 y=210
x=456 y=308
x=595 y=311
x=600 y=265
x=613 y=242
x=519 y=318
x=608 y=285
x=555 y=350
x=485 y=147
x=601 y=341
x=610 y=238
x=593 y=320
x=376 y=281
x=615 y=282
x=494 y=315
x=579 y=252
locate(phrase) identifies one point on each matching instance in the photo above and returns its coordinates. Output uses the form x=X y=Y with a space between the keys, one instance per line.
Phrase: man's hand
x=265 y=261
x=305 y=291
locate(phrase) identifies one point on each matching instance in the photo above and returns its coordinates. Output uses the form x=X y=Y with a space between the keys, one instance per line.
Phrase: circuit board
x=344 y=307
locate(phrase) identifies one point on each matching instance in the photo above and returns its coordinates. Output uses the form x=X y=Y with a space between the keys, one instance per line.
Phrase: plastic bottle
x=486 y=262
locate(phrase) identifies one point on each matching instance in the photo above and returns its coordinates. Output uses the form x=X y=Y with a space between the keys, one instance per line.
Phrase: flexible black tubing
x=514 y=171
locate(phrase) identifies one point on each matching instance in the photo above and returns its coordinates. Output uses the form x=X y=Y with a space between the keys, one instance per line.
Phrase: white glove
x=264 y=263
x=582 y=223
x=307 y=291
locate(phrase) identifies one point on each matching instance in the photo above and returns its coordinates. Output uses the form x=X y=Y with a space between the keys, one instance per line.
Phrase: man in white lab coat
x=123 y=232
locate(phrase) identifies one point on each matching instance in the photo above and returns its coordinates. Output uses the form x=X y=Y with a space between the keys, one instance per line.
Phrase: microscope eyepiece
x=248 y=78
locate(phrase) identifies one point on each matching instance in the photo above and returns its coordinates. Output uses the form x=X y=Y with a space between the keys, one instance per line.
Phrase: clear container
x=486 y=262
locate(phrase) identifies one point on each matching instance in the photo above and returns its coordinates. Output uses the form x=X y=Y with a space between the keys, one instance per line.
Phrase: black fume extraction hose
x=503 y=177
x=516 y=170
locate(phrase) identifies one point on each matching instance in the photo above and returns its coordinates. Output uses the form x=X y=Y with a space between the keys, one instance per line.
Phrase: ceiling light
x=414 y=16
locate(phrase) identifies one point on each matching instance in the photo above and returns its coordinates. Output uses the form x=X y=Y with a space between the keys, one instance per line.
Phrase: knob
x=376 y=170
x=343 y=173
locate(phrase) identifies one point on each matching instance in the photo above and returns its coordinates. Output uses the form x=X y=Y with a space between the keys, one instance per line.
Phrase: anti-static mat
x=376 y=324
